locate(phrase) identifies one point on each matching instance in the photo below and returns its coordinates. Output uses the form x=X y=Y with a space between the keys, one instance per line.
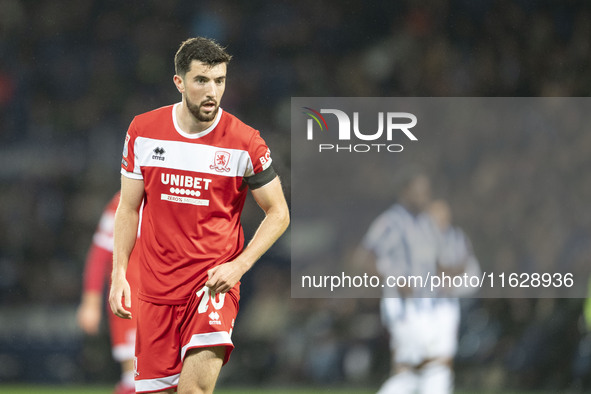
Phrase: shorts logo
x=215 y=318
x=221 y=161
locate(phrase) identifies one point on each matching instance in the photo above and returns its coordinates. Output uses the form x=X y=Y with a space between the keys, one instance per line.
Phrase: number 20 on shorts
x=207 y=296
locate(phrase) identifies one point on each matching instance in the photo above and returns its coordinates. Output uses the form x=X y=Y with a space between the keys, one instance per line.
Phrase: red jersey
x=195 y=188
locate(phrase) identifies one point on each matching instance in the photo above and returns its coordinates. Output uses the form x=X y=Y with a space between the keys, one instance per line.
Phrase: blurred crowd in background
x=73 y=73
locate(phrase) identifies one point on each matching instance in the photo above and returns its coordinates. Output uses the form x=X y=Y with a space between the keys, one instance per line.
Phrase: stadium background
x=74 y=72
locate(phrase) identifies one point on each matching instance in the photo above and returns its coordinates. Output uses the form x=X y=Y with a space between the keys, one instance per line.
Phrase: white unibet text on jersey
x=393 y=123
x=185 y=181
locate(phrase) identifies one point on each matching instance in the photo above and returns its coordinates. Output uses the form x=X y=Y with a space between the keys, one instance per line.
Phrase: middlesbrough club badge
x=221 y=161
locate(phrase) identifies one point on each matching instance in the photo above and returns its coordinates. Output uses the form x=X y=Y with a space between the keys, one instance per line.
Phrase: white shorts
x=421 y=328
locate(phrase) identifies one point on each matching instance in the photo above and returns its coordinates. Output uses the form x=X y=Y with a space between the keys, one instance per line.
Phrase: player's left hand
x=224 y=276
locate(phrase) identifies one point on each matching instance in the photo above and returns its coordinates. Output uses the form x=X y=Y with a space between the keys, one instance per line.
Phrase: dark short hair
x=201 y=49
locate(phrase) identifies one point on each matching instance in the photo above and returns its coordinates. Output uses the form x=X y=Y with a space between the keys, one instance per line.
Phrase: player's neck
x=188 y=122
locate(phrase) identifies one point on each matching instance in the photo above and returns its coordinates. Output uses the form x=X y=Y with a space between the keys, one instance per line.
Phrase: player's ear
x=178 y=81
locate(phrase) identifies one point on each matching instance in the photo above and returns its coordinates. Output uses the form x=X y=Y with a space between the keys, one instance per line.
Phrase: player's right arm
x=126 y=226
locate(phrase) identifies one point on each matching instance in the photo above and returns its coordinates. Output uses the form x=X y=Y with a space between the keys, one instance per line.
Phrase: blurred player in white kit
x=415 y=237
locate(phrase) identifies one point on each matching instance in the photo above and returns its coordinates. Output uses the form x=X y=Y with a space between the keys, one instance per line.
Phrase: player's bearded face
x=203 y=111
x=202 y=88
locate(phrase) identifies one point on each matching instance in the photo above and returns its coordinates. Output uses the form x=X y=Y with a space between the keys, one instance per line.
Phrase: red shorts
x=166 y=332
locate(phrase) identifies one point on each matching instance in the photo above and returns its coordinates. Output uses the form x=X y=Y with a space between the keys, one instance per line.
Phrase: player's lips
x=209 y=105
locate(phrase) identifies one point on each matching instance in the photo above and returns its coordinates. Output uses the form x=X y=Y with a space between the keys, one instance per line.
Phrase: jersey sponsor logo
x=187 y=187
x=158 y=154
x=221 y=160
x=187 y=181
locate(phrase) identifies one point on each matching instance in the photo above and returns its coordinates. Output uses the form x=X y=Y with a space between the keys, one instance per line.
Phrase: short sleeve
x=129 y=163
x=261 y=171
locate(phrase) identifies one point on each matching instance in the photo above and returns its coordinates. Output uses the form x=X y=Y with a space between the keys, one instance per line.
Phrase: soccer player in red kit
x=192 y=164
x=98 y=263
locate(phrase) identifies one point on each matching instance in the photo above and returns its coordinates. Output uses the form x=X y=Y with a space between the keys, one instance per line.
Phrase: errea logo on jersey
x=395 y=122
x=158 y=154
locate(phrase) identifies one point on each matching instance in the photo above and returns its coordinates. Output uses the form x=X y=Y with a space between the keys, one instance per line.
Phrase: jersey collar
x=195 y=135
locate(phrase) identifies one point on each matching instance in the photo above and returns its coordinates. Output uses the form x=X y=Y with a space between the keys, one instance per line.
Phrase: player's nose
x=210 y=90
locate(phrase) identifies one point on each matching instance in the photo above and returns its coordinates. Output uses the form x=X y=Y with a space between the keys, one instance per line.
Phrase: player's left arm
x=272 y=201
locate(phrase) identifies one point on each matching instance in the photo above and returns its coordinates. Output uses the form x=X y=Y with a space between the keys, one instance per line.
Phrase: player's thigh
x=201 y=368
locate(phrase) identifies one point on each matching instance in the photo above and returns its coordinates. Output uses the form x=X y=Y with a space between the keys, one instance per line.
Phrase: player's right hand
x=120 y=291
